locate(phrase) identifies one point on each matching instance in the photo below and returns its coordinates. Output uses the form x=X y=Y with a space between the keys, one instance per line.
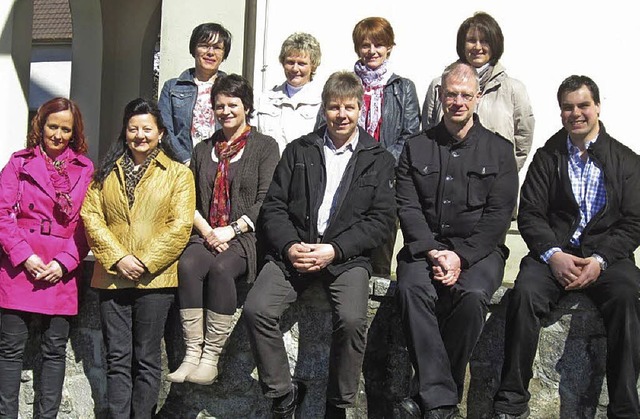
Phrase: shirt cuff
x=547 y=255
x=249 y=222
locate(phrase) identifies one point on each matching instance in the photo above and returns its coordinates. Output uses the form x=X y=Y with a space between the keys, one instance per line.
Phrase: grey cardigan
x=248 y=187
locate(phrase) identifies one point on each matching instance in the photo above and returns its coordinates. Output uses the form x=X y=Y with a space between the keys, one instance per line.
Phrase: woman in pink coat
x=43 y=244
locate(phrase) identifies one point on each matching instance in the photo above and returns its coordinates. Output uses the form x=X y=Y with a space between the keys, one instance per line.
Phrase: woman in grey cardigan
x=232 y=170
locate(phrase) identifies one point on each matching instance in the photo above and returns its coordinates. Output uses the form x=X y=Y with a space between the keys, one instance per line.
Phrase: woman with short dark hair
x=233 y=170
x=185 y=101
x=43 y=244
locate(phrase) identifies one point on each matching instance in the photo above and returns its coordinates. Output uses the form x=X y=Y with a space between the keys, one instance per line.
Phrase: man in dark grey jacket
x=580 y=217
x=330 y=203
x=457 y=185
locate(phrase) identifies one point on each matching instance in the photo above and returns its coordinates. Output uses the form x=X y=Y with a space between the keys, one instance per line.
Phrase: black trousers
x=270 y=296
x=442 y=324
x=133 y=326
x=535 y=294
x=14 y=332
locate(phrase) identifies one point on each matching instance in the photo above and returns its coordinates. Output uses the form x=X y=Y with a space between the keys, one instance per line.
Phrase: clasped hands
x=309 y=258
x=445 y=266
x=218 y=238
x=130 y=267
x=573 y=272
x=51 y=272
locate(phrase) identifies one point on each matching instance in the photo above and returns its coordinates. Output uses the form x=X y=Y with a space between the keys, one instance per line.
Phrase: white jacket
x=288 y=118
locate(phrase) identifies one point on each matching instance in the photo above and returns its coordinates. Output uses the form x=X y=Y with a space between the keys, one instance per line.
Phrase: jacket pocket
x=426 y=177
x=481 y=179
x=181 y=99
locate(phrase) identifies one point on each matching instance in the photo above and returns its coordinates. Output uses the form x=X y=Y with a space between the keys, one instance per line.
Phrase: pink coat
x=28 y=234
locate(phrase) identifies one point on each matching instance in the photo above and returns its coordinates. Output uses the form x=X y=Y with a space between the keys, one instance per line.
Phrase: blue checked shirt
x=587 y=183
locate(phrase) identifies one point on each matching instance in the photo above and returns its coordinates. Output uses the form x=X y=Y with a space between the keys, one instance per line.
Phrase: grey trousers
x=270 y=296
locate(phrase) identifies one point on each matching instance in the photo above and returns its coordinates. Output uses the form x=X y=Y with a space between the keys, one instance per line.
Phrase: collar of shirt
x=574 y=152
x=351 y=145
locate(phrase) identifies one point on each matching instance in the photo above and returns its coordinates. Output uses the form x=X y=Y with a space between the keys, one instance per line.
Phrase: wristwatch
x=601 y=261
x=236 y=228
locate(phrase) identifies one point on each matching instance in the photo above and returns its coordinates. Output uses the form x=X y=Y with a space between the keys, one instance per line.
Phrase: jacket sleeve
x=105 y=246
x=13 y=242
x=166 y=110
x=496 y=215
x=623 y=237
x=431 y=107
x=418 y=237
x=76 y=248
x=168 y=242
x=533 y=221
x=523 y=121
x=269 y=157
x=274 y=220
x=410 y=111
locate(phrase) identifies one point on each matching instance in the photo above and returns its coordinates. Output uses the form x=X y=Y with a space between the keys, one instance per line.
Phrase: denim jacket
x=176 y=103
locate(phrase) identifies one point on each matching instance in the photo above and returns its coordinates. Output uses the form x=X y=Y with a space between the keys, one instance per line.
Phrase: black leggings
x=202 y=272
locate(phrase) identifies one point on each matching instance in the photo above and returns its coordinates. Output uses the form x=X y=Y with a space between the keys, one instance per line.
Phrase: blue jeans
x=14 y=332
x=133 y=326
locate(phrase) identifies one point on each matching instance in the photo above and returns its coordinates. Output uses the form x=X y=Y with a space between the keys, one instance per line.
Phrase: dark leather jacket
x=400 y=114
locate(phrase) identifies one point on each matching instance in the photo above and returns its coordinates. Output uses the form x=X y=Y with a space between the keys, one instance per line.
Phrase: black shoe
x=285 y=407
x=445 y=412
x=410 y=407
x=334 y=412
x=502 y=415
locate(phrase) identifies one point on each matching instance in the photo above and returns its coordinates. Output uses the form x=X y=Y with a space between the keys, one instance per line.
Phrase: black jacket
x=456 y=196
x=400 y=114
x=549 y=214
x=364 y=215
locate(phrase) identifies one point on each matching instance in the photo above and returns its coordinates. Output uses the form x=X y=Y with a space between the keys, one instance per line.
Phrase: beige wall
x=15 y=56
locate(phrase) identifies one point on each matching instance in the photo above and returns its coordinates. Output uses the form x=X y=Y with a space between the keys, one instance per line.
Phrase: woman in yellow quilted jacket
x=138 y=215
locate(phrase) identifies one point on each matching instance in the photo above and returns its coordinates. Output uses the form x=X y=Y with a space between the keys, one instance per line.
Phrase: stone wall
x=568 y=374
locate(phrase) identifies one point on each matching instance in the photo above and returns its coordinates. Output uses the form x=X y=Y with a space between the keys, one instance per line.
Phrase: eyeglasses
x=452 y=96
x=206 y=47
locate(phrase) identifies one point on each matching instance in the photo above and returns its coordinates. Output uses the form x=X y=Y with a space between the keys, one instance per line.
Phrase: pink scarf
x=372 y=81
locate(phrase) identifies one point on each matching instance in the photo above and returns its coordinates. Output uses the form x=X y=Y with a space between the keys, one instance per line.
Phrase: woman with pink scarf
x=390 y=111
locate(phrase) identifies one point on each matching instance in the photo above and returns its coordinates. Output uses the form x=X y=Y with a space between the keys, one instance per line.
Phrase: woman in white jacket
x=289 y=111
x=504 y=107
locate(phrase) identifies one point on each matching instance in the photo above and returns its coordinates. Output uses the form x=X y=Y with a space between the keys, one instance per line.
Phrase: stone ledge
x=568 y=373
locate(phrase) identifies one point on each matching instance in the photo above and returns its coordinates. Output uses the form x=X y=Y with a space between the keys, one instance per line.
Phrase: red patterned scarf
x=61 y=183
x=220 y=209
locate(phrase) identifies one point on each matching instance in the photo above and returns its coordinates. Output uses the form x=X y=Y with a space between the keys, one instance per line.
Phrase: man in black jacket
x=330 y=203
x=580 y=217
x=457 y=185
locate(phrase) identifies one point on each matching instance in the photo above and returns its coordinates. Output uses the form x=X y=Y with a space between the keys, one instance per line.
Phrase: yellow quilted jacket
x=155 y=230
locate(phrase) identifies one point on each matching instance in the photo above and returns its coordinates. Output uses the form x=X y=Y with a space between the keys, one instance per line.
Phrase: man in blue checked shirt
x=580 y=217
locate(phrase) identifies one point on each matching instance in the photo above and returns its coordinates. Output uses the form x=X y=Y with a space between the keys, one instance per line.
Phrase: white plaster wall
x=50 y=73
x=15 y=51
x=545 y=41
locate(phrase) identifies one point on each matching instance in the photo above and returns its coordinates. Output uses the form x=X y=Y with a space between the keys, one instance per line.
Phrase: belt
x=46 y=228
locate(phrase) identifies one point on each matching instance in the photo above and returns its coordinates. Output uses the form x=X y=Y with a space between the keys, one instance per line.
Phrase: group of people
x=308 y=185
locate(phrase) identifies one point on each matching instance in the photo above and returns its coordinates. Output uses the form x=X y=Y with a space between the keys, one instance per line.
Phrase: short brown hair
x=342 y=85
x=377 y=29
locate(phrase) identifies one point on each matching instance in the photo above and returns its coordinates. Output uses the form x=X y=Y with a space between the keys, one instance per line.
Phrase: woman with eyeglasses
x=185 y=101
x=504 y=107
